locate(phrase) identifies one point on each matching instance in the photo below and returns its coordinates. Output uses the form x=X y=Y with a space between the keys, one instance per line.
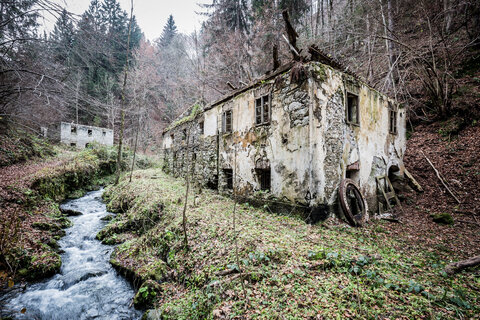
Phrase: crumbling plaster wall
x=308 y=144
x=339 y=144
x=279 y=144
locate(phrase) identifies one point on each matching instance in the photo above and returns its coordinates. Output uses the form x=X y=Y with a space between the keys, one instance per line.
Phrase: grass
x=292 y=270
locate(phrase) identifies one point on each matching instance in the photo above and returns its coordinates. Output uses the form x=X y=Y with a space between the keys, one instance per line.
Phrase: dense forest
x=419 y=52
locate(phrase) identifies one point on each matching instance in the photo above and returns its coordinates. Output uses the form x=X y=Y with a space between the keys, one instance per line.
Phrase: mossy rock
x=77 y=194
x=45 y=270
x=147 y=294
x=443 y=218
x=108 y=217
x=45 y=226
x=70 y=212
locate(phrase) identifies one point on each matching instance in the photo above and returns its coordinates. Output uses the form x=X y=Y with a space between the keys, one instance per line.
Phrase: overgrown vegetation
x=291 y=269
x=30 y=219
x=18 y=145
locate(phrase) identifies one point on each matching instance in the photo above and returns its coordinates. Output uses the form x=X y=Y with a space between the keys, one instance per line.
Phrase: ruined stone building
x=292 y=136
x=80 y=136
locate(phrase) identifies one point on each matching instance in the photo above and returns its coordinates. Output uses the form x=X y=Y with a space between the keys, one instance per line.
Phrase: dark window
x=104 y=133
x=172 y=136
x=184 y=137
x=73 y=130
x=352 y=109
x=392 y=120
x=201 y=126
x=227 y=121
x=264 y=177
x=89 y=132
x=262 y=110
x=228 y=178
x=73 y=144
x=87 y=145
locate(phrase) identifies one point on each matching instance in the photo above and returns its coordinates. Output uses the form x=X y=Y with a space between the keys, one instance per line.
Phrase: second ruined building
x=297 y=133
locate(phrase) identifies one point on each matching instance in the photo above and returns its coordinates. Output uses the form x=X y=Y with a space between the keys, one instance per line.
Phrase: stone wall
x=79 y=136
x=307 y=145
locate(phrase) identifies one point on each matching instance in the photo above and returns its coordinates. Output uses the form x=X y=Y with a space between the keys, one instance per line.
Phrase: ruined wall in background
x=79 y=136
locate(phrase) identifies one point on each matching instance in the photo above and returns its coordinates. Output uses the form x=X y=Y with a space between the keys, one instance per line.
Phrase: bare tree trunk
x=77 y=89
x=237 y=259
x=187 y=178
x=135 y=149
x=122 y=120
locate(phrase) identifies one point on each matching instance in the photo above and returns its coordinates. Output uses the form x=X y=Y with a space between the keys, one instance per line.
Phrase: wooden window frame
x=392 y=119
x=263 y=110
x=227 y=126
x=349 y=108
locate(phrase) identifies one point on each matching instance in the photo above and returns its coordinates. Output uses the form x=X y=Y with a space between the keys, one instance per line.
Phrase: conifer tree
x=168 y=33
x=62 y=38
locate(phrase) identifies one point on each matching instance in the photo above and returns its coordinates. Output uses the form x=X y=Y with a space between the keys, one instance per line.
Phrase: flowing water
x=87 y=286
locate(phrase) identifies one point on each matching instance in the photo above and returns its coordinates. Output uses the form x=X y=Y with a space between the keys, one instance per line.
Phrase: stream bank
x=87 y=286
x=31 y=223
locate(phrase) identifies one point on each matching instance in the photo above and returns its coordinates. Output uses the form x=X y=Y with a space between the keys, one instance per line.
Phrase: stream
x=87 y=286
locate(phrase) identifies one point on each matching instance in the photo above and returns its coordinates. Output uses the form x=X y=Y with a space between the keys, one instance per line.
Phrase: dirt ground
x=457 y=159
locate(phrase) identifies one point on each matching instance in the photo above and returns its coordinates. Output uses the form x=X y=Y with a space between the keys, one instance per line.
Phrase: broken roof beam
x=292 y=36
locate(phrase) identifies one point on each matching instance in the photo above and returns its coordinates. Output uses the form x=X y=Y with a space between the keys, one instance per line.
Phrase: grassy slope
x=292 y=269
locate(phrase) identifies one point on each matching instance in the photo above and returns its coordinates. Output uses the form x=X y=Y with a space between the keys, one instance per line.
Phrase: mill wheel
x=352 y=202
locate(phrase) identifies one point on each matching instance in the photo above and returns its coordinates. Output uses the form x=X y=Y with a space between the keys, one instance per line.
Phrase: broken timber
x=390 y=193
x=456 y=267
x=440 y=178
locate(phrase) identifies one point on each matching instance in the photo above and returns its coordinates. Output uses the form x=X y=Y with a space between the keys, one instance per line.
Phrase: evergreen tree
x=62 y=38
x=168 y=33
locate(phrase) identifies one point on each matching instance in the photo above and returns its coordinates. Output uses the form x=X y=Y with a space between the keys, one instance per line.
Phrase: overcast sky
x=151 y=14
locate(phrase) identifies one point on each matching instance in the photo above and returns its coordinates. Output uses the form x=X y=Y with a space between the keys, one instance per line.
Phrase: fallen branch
x=456 y=267
x=440 y=178
x=217 y=283
x=413 y=182
x=226 y=272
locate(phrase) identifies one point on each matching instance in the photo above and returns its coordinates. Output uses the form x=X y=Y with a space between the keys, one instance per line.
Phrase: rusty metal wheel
x=352 y=202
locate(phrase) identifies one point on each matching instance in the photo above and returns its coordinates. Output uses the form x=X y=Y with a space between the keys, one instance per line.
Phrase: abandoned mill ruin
x=302 y=136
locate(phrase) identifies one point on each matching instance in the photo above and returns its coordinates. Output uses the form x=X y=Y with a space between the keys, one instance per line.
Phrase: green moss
x=443 y=218
x=196 y=109
x=147 y=294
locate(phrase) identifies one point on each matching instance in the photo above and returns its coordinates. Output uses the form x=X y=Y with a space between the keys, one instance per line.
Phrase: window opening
x=352 y=109
x=73 y=130
x=227 y=121
x=392 y=125
x=262 y=110
x=264 y=177
x=184 y=137
x=201 y=127
x=90 y=132
x=104 y=133
x=228 y=178
x=73 y=144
